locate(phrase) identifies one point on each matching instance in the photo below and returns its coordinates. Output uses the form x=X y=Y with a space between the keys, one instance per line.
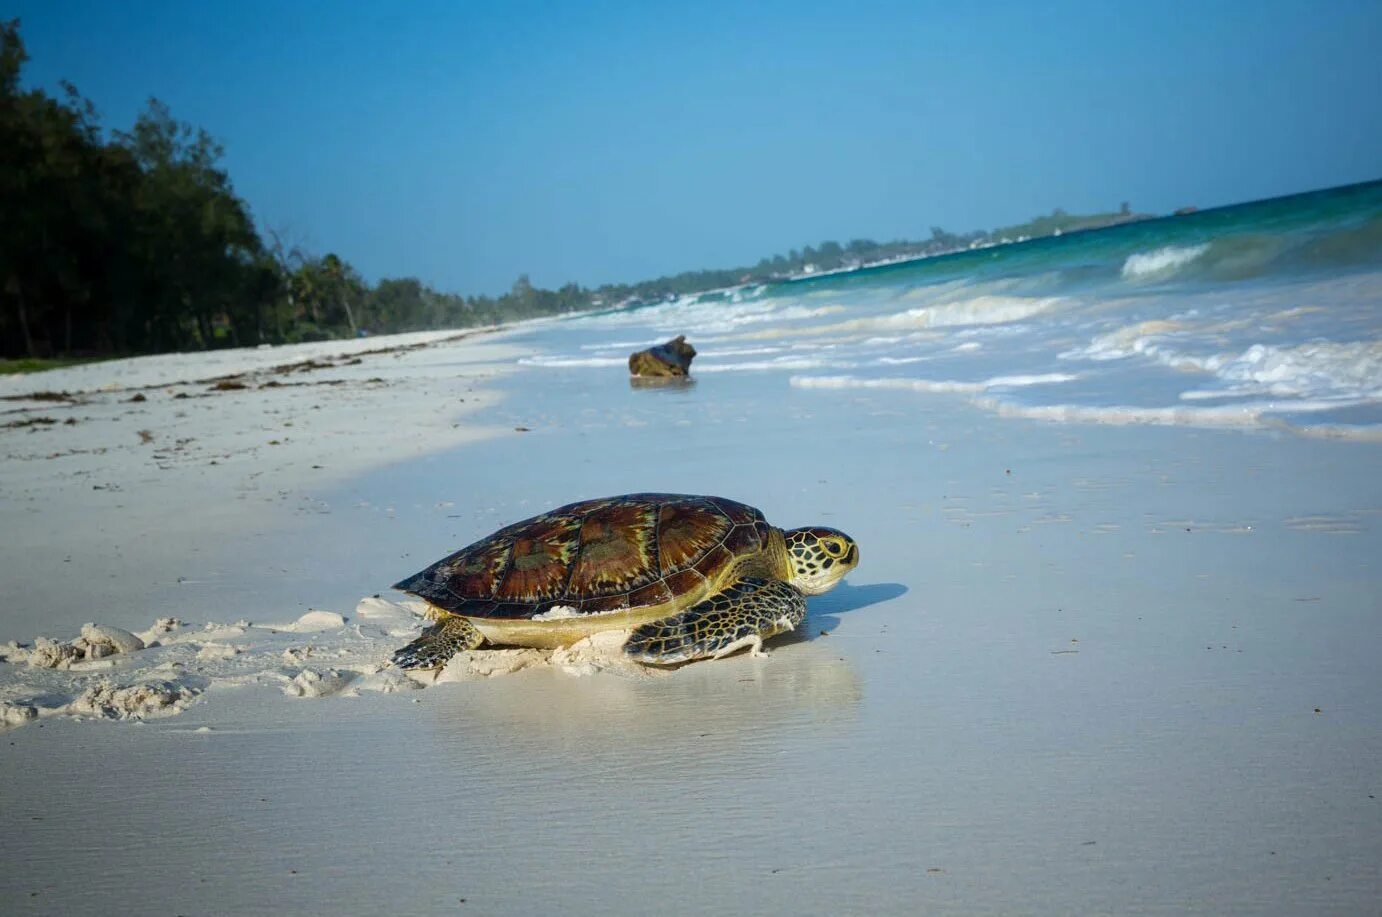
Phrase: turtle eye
x=835 y=547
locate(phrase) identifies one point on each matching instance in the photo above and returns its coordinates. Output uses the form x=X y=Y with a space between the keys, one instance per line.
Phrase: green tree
x=830 y=254
x=47 y=152
x=192 y=226
x=341 y=286
x=398 y=305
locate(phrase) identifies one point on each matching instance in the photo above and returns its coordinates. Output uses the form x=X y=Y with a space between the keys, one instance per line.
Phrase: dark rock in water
x=670 y=359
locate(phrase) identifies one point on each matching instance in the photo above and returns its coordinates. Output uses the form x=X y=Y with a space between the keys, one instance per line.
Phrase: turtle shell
x=595 y=556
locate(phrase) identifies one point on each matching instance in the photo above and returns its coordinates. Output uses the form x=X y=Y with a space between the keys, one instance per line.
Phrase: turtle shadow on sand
x=823 y=611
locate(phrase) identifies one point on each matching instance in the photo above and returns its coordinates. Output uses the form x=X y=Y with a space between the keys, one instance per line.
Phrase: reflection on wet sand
x=696 y=713
x=662 y=383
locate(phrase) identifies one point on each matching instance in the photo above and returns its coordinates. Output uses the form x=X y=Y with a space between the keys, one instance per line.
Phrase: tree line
x=135 y=242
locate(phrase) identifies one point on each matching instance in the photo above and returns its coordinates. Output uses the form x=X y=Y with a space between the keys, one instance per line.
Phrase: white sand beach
x=1081 y=668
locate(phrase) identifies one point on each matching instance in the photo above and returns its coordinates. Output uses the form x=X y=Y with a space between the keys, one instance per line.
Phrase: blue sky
x=467 y=143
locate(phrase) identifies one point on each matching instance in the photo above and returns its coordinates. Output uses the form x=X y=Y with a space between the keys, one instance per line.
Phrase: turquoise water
x=1265 y=315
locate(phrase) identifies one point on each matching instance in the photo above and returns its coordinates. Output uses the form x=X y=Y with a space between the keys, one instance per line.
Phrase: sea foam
x=559 y=362
x=1252 y=414
x=977 y=310
x=1317 y=369
x=1162 y=261
x=931 y=385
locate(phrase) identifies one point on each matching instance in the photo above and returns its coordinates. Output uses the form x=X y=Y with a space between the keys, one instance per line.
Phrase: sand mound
x=115 y=674
x=598 y=653
x=138 y=701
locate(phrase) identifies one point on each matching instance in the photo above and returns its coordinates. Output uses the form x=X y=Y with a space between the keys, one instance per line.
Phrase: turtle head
x=819 y=557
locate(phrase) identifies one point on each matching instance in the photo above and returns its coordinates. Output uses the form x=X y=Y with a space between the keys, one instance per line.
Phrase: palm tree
x=335 y=270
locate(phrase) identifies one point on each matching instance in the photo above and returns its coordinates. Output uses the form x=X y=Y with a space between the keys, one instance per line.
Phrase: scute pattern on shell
x=598 y=555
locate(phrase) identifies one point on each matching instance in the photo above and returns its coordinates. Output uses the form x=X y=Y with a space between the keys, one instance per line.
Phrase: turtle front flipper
x=438 y=644
x=742 y=615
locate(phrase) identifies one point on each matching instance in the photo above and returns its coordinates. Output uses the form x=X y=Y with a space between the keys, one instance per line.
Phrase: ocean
x=1264 y=316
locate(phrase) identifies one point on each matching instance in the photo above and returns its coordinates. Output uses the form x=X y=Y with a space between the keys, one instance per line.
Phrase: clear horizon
x=466 y=146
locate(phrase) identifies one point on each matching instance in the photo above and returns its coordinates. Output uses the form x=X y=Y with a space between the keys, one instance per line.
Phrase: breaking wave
x=977 y=310
x=1162 y=262
x=1317 y=369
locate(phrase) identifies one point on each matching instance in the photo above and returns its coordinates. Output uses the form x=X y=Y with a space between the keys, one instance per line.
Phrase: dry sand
x=1080 y=669
x=123 y=480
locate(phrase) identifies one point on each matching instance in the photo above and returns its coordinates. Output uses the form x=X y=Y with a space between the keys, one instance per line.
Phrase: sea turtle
x=690 y=576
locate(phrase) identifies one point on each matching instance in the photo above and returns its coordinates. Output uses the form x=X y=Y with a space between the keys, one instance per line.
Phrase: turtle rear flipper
x=438 y=644
x=750 y=610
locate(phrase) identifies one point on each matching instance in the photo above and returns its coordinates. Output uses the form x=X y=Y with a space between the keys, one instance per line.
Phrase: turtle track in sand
x=108 y=673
